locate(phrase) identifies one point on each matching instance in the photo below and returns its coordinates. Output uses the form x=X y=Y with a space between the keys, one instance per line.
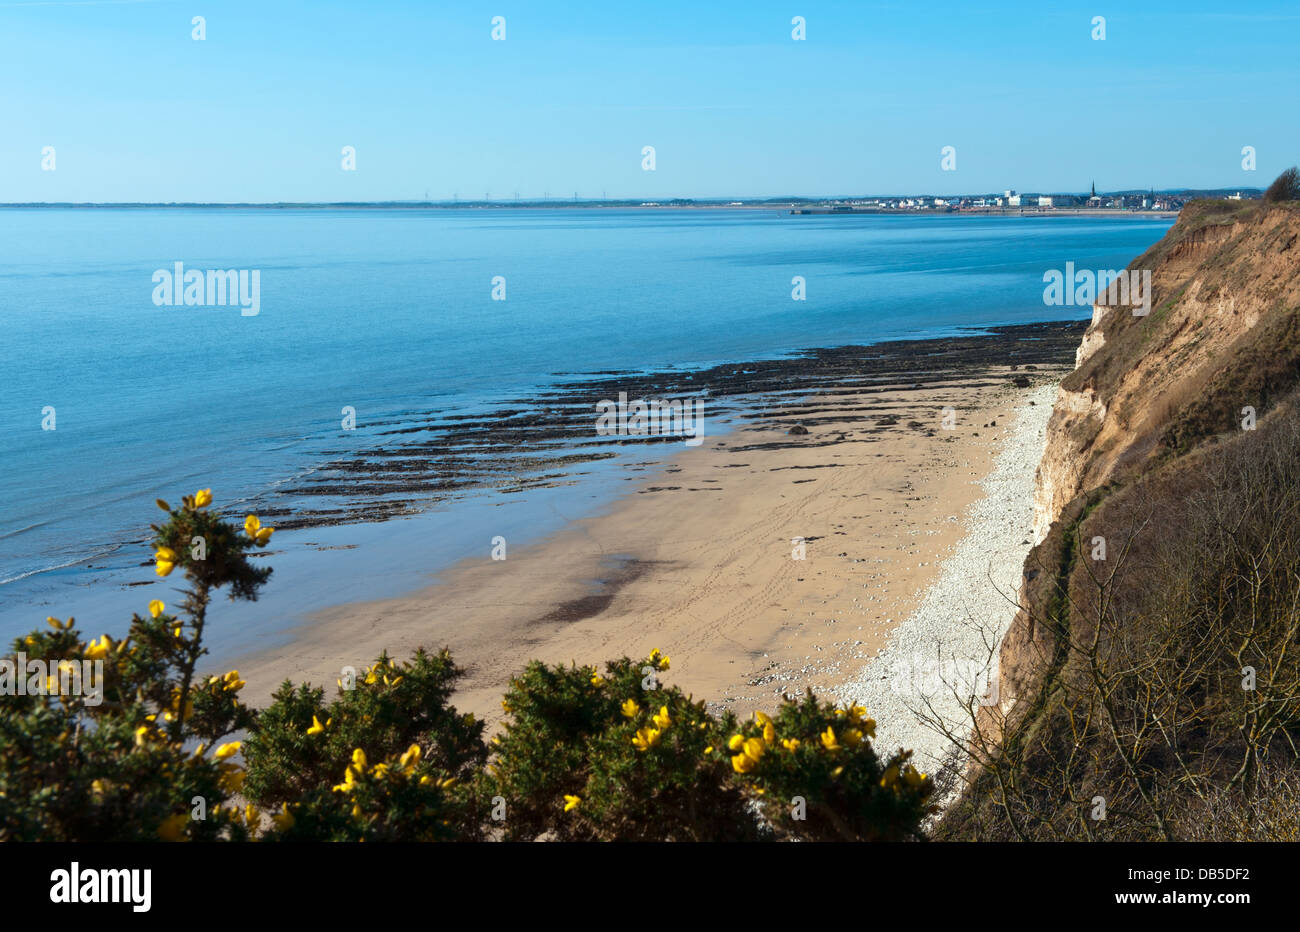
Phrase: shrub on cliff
x=146 y=750
x=1285 y=187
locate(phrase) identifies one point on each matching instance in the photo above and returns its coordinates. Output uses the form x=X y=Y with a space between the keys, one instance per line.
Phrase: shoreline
x=697 y=558
x=380 y=516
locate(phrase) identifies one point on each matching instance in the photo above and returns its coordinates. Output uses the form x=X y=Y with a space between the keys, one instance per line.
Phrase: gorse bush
x=125 y=740
x=586 y=756
x=300 y=738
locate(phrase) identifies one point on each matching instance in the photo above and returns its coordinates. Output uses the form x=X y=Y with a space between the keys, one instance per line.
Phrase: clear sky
x=137 y=110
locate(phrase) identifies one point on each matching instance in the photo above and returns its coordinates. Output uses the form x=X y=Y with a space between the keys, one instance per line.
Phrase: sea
x=114 y=393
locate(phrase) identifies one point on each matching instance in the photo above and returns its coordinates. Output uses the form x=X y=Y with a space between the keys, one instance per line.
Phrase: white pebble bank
x=943 y=642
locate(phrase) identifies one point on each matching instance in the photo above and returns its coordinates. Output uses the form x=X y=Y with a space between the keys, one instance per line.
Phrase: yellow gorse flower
x=349 y=782
x=630 y=708
x=156 y=607
x=173 y=827
x=359 y=760
x=95 y=650
x=165 y=558
x=859 y=715
x=751 y=751
x=411 y=757
x=202 y=498
x=661 y=718
x=645 y=739
x=597 y=680
x=253 y=528
x=769 y=728
x=284 y=819
x=56 y=624
x=316 y=727
x=229 y=749
x=828 y=739
x=571 y=802
x=791 y=744
x=232 y=778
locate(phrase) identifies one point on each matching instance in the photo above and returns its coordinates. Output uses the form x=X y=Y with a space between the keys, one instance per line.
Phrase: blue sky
x=136 y=110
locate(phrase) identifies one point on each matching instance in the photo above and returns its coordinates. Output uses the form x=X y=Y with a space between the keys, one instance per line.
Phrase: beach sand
x=698 y=559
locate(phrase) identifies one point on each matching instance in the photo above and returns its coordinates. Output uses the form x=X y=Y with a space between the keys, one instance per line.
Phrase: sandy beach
x=761 y=562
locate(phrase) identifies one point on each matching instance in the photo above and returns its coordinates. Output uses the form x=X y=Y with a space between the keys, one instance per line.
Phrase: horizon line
x=721 y=200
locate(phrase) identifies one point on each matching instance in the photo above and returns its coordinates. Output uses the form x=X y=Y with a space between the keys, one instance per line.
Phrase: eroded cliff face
x=1222 y=336
x=1214 y=279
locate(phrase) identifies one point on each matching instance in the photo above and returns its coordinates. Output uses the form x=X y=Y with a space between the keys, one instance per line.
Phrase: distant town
x=1014 y=201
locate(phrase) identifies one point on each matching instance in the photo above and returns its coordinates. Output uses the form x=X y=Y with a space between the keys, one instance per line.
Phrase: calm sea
x=390 y=312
